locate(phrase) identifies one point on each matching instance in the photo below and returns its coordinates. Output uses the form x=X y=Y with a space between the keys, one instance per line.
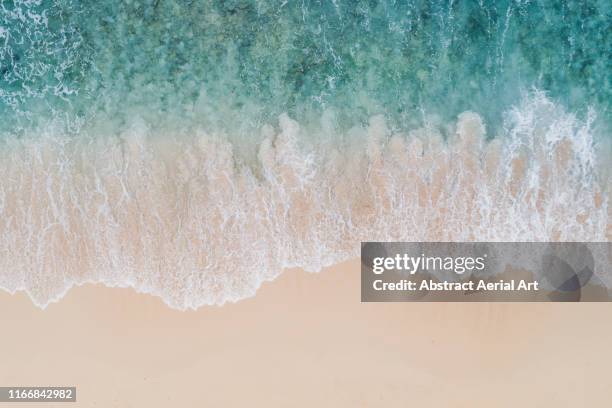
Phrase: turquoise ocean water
x=250 y=61
x=193 y=149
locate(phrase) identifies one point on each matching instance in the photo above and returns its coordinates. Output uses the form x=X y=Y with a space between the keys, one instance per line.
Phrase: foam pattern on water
x=193 y=149
x=184 y=219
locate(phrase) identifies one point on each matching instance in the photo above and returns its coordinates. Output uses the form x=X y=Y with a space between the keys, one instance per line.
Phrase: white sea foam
x=183 y=219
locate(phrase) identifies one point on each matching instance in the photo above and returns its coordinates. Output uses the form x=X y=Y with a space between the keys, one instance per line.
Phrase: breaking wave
x=189 y=219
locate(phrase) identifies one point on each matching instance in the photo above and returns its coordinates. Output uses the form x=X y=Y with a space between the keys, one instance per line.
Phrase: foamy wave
x=184 y=219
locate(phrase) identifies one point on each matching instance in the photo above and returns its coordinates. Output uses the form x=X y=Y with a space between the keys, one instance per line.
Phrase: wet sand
x=305 y=340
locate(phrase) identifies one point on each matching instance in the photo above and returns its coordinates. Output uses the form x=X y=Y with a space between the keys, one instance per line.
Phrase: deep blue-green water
x=192 y=149
x=250 y=61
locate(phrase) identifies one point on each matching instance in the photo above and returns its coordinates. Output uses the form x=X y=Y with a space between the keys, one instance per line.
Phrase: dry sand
x=306 y=340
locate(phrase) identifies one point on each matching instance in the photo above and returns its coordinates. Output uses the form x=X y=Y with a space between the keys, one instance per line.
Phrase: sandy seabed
x=305 y=340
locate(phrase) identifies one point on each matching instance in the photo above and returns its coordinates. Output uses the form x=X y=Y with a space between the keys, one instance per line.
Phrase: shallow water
x=194 y=149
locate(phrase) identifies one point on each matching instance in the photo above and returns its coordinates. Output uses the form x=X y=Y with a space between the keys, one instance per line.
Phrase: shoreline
x=186 y=220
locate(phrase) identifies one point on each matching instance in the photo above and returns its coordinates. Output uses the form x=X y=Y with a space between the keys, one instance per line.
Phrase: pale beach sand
x=305 y=340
